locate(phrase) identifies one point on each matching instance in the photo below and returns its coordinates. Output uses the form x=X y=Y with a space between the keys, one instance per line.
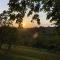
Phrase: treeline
x=8 y=36
x=40 y=38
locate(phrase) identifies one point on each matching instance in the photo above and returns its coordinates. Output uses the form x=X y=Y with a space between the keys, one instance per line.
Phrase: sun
x=24 y=25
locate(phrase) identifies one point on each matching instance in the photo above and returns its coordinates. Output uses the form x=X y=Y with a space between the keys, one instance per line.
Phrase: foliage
x=8 y=35
x=4 y=19
x=47 y=38
x=17 y=11
x=52 y=7
x=18 y=8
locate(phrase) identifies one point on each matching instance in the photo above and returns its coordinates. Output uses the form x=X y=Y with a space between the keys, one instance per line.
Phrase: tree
x=52 y=7
x=8 y=35
x=18 y=8
x=4 y=19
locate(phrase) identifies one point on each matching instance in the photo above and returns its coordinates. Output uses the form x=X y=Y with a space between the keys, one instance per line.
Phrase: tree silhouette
x=17 y=10
x=52 y=7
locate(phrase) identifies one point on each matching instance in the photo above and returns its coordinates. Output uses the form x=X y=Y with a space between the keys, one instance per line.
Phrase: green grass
x=28 y=53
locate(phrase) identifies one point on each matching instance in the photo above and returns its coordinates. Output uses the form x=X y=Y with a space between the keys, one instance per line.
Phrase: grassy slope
x=28 y=53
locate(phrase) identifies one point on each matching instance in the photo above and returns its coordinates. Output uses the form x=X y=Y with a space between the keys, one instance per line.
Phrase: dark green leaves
x=36 y=17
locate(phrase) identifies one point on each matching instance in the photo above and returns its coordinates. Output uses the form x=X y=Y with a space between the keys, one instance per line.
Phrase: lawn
x=27 y=53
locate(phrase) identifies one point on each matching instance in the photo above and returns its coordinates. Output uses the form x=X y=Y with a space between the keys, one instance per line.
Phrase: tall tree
x=18 y=8
x=8 y=35
x=52 y=7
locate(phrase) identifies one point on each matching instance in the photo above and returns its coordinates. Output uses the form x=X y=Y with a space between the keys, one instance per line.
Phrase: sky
x=27 y=20
x=3 y=5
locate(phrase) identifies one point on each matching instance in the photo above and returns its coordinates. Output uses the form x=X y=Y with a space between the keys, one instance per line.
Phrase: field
x=27 y=53
x=29 y=44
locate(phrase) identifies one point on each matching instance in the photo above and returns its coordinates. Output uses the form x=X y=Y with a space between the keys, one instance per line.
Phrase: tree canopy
x=17 y=10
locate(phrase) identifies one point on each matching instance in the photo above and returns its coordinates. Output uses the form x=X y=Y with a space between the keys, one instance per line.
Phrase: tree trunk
x=0 y=45
x=9 y=47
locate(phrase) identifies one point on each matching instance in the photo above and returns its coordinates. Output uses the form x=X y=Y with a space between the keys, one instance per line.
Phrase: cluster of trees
x=16 y=12
x=45 y=38
x=8 y=36
x=51 y=42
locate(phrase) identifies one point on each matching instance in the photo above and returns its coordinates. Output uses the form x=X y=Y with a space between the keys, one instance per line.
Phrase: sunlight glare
x=23 y=24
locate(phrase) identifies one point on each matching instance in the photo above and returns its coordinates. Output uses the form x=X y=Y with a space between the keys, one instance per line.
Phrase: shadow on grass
x=5 y=55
